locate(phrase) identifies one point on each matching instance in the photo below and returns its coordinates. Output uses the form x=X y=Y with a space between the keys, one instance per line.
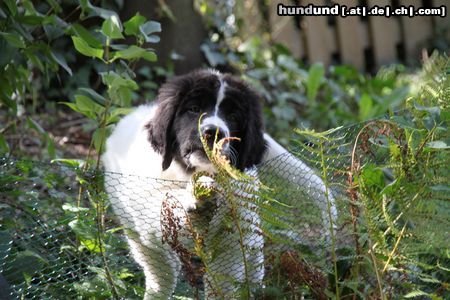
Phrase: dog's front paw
x=202 y=187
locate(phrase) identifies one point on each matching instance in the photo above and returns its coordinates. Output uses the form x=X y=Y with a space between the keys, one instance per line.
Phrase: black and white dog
x=161 y=140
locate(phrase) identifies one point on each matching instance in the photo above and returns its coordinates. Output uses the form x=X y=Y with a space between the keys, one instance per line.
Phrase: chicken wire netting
x=276 y=233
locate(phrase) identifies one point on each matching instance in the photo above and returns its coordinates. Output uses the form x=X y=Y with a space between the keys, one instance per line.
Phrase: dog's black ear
x=252 y=145
x=160 y=133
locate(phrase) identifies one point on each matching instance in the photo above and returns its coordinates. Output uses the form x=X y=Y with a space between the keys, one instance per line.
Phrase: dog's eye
x=194 y=109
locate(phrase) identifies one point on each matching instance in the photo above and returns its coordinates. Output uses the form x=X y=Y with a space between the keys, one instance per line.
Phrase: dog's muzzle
x=212 y=134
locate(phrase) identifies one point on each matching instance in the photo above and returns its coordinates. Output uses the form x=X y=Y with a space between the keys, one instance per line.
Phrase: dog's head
x=230 y=108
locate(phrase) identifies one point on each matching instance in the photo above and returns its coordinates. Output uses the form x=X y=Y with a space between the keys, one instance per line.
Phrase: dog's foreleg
x=235 y=241
x=138 y=209
x=292 y=169
x=159 y=264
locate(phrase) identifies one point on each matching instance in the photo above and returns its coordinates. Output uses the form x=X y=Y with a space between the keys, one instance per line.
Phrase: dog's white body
x=133 y=182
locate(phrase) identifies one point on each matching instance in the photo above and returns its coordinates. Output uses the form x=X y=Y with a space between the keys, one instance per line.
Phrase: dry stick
x=374 y=261
x=354 y=169
x=330 y=217
x=100 y=208
x=395 y=248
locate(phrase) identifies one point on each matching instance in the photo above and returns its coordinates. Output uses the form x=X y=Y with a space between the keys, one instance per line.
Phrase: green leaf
x=114 y=80
x=72 y=208
x=148 y=28
x=87 y=104
x=214 y=57
x=372 y=176
x=119 y=88
x=315 y=77
x=34 y=20
x=99 y=138
x=26 y=262
x=59 y=58
x=440 y=188
x=135 y=52
x=365 y=107
x=438 y=145
x=5 y=242
x=86 y=234
x=112 y=28
x=14 y=40
x=416 y=293
x=132 y=26
x=86 y=35
x=4 y=147
x=54 y=4
x=35 y=125
x=92 y=10
x=85 y=49
x=74 y=107
x=92 y=94
x=74 y=163
x=12 y=7
x=120 y=111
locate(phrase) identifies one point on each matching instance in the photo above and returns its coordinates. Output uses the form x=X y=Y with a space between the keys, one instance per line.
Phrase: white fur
x=220 y=95
x=137 y=200
x=131 y=163
x=218 y=122
x=316 y=189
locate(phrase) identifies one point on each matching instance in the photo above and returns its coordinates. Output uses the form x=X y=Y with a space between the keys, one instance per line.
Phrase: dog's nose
x=210 y=132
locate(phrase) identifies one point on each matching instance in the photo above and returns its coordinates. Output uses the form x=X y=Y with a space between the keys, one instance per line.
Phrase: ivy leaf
x=132 y=26
x=135 y=52
x=85 y=49
x=112 y=28
x=148 y=28
x=87 y=7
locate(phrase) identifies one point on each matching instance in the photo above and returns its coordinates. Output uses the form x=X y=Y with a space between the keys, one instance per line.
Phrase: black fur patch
x=173 y=132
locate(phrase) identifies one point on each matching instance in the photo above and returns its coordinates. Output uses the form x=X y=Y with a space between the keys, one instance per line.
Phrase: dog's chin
x=199 y=162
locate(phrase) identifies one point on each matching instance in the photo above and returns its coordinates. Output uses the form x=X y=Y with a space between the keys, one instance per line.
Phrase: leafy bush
x=37 y=42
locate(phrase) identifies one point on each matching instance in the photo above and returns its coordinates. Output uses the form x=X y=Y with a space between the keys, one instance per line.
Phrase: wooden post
x=416 y=31
x=350 y=37
x=284 y=30
x=321 y=40
x=385 y=35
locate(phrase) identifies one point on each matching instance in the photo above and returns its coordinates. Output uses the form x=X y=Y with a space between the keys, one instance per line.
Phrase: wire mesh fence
x=282 y=231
